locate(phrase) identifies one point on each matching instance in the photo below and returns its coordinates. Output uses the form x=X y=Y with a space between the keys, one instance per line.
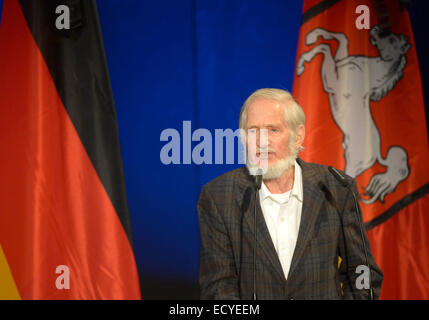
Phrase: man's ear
x=299 y=136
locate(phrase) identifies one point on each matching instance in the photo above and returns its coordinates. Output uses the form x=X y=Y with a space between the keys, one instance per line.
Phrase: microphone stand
x=371 y=292
x=346 y=184
x=258 y=183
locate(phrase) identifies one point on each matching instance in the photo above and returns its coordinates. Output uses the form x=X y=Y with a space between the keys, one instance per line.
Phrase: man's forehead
x=266 y=110
x=265 y=103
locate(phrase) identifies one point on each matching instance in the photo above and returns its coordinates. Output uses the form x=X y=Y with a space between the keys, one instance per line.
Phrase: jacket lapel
x=312 y=202
x=246 y=200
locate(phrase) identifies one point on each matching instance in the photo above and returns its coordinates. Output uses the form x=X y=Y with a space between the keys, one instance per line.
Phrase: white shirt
x=282 y=213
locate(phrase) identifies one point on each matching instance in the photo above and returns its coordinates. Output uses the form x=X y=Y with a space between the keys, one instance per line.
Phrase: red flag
x=64 y=222
x=362 y=95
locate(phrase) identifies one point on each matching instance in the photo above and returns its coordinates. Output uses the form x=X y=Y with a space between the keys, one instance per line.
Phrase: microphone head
x=339 y=176
x=258 y=179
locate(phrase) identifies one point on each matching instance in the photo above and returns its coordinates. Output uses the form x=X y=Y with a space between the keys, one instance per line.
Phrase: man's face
x=268 y=115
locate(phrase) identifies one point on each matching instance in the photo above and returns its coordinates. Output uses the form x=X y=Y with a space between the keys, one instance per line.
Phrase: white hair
x=293 y=113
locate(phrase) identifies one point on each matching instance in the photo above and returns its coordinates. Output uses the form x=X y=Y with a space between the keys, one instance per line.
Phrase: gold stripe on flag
x=8 y=290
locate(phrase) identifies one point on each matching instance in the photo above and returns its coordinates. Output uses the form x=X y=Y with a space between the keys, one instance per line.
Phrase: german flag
x=64 y=222
x=358 y=80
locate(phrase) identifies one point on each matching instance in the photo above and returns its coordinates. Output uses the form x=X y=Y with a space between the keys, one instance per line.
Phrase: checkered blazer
x=329 y=228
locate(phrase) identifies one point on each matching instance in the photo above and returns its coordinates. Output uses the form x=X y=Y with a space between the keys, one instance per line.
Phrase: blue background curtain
x=175 y=61
x=193 y=60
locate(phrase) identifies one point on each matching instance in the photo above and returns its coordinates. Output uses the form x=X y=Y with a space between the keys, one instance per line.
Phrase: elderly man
x=306 y=220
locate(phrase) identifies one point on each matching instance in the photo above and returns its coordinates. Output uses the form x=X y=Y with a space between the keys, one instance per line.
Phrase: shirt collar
x=296 y=189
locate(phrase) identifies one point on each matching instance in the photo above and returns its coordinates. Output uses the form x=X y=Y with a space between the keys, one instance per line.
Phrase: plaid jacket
x=329 y=228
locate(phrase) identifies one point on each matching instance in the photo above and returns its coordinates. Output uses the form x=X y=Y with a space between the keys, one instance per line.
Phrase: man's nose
x=262 y=138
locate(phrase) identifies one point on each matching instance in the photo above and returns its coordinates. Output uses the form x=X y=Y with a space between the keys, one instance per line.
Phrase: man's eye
x=273 y=130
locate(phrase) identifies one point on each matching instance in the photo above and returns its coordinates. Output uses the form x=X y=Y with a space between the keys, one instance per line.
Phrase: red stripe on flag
x=53 y=208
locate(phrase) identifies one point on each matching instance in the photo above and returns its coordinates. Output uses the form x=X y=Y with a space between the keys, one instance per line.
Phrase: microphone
x=258 y=184
x=258 y=181
x=339 y=176
x=341 y=179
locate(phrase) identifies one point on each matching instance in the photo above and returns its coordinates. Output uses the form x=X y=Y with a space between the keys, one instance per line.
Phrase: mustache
x=265 y=150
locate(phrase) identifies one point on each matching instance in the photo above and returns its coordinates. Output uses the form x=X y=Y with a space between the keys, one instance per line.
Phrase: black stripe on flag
x=317 y=9
x=77 y=63
x=398 y=206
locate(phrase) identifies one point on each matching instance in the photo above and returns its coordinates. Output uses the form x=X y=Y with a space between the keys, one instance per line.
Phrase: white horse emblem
x=351 y=83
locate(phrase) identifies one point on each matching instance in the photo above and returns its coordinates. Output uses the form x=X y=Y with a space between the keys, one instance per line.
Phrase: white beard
x=280 y=167
x=276 y=170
